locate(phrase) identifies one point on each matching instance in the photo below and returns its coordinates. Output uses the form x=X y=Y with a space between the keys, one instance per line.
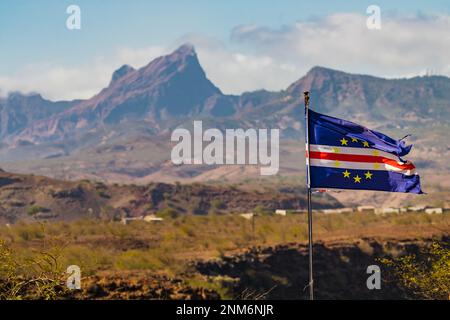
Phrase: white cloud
x=262 y=57
x=404 y=46
x=237 y=72
x=232 y=71
x=140 y=57
x=58 y=82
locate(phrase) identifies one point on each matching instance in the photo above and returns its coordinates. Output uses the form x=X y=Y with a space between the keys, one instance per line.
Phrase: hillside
x=18 y=111
x=34 y=198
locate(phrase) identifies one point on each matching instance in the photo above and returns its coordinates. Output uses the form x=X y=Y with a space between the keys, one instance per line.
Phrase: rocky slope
x=139 y=286
x=261 y=273
x=171 y=86
x=18 y=111
x=281 y=272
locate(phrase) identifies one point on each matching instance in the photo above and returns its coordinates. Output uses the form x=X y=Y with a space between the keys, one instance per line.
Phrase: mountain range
x=175 y=87
x=122 y=133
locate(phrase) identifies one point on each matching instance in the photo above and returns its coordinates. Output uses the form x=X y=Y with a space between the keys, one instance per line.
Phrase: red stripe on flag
x=360 y=158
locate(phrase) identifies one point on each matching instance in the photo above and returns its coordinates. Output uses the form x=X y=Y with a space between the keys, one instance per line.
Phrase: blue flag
x=345 y=155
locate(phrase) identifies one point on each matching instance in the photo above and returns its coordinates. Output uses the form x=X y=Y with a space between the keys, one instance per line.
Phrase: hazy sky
x=243 y=45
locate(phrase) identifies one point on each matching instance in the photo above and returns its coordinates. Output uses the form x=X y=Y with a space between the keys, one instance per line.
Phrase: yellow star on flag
x=368 y=175
x=344 y=141
x=346 y=174
x=376 y=152
x=357 y=179
x=336 y=149
x=376 y=166
x=337 y=163
x=365 y=144
x=354 y=140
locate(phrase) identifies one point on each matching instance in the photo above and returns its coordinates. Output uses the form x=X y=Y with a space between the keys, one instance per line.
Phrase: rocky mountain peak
x=186 y=49
x=183 y=58
x=121 y=72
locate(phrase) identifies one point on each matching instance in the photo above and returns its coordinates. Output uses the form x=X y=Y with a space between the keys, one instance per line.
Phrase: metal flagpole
x=308 y=182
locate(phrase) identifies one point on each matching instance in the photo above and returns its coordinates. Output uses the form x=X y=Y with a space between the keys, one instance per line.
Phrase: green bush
x=168 y=213
x=137 y=260
x=426 y=275
x=34 y=209
x=217 y=204
x=262 y=211
x=36 y=277
x=103 y=194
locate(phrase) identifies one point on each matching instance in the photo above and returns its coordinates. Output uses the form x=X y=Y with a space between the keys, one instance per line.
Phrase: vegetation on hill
x=426 y=274
x=36 y=276
x=173 y=246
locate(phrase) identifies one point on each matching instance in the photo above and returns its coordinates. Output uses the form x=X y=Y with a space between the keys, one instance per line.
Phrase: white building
x=365 y=209
x=434 y=211
x=300 y=211
x=247 y=216
x=331 y=211
x=388 y=210
x=152 y=218
x=127 y=220
x=416 y=208
x=147 y=218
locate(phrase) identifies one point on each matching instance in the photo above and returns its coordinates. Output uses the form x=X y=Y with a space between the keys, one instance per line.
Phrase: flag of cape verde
x=345 y=155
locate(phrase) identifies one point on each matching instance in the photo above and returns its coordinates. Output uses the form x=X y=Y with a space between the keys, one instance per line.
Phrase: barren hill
x=30 y=198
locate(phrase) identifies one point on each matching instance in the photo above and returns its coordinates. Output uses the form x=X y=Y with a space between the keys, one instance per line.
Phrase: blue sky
x=34 y=32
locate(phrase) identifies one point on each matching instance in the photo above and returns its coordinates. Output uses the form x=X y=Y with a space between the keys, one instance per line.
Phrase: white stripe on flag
x=359 y=166
x=354 y=151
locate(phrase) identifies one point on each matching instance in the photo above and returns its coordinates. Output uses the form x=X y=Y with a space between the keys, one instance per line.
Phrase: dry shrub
x=36 y=277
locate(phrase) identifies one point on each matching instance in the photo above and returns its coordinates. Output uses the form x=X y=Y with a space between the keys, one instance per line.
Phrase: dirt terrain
x=271 y=272
x=139 y=285
x=281 y=272
x=228 y=257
